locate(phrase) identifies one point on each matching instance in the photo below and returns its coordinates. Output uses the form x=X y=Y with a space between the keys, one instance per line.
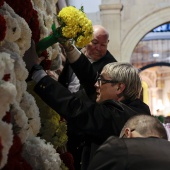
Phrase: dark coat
x=75 y=142
x=96 y=121
x=67 y=72
x=133 y=154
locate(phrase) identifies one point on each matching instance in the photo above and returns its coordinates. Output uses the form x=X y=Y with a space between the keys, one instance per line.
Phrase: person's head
x=97 y=48
x=118 y=81
x=143 y=126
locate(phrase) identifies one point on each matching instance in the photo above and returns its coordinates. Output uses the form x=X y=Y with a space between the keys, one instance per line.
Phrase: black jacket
x=75 y=142
x=96 y=121
x=67 y=72
x=133 y=154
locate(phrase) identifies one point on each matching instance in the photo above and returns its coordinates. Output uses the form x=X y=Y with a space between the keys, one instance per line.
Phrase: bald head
x=97 y=48
x=99 y=30
x=143 y=126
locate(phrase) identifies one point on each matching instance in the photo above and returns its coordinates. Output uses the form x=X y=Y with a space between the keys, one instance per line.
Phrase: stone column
x=61 y=4
x=110 y=11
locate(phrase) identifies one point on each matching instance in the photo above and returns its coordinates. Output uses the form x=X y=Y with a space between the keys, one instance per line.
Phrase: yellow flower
x=75 y=25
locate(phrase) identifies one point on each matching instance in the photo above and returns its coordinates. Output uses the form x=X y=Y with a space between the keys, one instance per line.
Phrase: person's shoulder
x=112 y=138
x=110 y=57
x=151 y=139
x=139 y=106
x=112 y=142
x=117 y=104
x=147 y=143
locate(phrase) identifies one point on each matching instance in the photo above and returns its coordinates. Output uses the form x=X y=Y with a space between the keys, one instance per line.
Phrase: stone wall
x=129 y=20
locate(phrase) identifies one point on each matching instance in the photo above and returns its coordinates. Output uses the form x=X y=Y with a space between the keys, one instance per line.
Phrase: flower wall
x=24 y=142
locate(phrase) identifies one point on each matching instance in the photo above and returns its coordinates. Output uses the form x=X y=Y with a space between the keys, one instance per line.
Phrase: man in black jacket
x=118 y=88
x=97 y=53
x=142 y=145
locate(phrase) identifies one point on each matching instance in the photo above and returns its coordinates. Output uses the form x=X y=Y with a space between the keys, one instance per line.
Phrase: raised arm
x=83 y=69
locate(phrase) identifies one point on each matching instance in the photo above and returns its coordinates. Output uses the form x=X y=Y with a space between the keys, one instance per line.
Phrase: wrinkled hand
x=66 y=44
x=31 y=58
x=52 y=74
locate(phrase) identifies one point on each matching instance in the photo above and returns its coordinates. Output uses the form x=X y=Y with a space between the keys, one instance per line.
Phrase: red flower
x=3 y=27
x=34 y=26
x=68 y=160
x=46 y=64
x=22 y=8
x=25 y=10
x=15 y=160
x=1 y=2
x=44 y=54
x=6 y=77
x=7 y=117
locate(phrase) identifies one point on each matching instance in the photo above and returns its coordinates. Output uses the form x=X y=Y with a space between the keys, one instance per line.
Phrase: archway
x=154 y=65
x=156 y=78
x=141 y=28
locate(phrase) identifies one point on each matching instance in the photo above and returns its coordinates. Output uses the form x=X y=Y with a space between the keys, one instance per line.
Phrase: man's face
x=106 y=89
x=97 y=48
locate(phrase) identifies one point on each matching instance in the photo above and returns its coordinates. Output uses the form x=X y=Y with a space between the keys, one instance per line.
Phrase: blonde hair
x=127 y=74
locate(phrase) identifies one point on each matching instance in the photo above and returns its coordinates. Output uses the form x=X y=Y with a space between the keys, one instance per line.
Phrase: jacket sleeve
x=85 y=73
x=112 y=155
x=65 y=76
x=86 y=116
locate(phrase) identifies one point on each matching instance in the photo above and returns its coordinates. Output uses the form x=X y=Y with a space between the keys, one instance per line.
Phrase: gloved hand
x=31 y=58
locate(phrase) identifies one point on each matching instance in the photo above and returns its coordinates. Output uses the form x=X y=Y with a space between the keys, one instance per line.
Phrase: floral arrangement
x=20 y=121
x=18 y=33
x=1 y=2
x=74 y=25
x=15 y=159
x=41 y=154
x=29 y=14
x=52 y=128
x=6 y=142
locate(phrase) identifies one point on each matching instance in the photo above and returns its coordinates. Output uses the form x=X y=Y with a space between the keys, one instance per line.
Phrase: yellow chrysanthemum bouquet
x=74 y=26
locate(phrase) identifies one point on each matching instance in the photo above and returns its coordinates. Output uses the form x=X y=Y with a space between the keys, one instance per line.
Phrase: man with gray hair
x=97 y=53
x=118 y=89
x=142 y=145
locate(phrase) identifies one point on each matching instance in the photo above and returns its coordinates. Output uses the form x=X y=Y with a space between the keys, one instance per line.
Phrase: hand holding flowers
x=74 y=26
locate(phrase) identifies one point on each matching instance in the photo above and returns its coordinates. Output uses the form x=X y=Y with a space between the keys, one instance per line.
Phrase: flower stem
x=45 y=43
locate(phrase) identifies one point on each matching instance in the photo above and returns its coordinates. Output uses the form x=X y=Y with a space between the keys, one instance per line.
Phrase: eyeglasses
x=102 y=81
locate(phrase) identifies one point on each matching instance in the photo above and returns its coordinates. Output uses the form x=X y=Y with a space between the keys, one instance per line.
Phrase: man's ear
x=120 y=87
x=128 y=133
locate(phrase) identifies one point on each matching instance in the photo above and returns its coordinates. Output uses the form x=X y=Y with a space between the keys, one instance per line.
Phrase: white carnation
x=6 y=141
x=41 y=155
x=7 y=95
x=20 y=123
x=28 y=104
